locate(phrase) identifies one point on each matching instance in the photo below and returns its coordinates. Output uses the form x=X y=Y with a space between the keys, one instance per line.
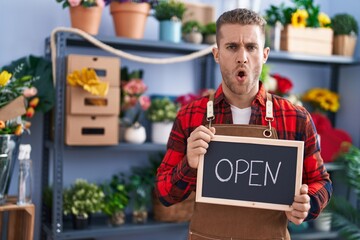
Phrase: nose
x=242 y=56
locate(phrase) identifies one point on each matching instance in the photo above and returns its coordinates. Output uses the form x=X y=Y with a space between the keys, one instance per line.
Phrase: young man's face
x=240 y=54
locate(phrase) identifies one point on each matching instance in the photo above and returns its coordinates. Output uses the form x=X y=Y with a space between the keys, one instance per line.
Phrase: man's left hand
x=301 y=206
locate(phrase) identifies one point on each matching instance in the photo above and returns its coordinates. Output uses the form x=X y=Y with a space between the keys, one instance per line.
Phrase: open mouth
x=241 y=74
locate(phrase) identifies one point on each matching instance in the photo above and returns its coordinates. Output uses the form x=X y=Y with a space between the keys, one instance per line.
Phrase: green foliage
x=283 y=14
x=116 y=195
x=126 y=75
x=168 y=9
x=84 y=3
x=265 y=72
x=42 y=69
x=346 y=217
x=344 y=24
x=162 y=109
x=82 y=198
x=191 y=26
x=209 y=28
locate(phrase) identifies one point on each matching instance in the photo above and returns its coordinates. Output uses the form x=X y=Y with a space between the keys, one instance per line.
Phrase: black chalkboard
x=253 y=172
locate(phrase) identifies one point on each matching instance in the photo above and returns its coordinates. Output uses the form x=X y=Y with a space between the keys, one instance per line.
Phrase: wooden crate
x=20 y=220
x=316 y=41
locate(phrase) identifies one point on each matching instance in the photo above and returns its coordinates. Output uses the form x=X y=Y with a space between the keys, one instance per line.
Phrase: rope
x=120 y=53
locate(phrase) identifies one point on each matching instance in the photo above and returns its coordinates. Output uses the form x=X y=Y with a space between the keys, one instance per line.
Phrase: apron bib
x=222 y=222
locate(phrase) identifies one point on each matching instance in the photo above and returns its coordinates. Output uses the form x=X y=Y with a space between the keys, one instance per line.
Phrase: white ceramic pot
x=135 y=134
x=160 y=132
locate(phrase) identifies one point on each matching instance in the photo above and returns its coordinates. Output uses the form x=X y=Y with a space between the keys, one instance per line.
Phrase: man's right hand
x=197 y=144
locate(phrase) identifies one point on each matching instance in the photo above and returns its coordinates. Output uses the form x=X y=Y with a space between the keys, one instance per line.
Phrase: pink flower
x=29 y=92
x=74 y=3
x=145 y=102
x=135 y=87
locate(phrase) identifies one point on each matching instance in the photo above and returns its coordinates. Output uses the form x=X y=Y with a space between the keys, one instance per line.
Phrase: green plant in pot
x=162 y=113
x=346 y=217
x=81 y=200
x=209 y=32
x=141 y=185
x=116 y=199
x=346 y=30
x=192 y=31
x=170 y=13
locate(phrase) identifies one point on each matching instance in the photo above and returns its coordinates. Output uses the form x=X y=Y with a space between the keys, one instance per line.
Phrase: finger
x=198 y=144
x=301 y=207
x=213 y=130
x=304 y=189
x=295 y=219
x=196 y=135
x=302 y=198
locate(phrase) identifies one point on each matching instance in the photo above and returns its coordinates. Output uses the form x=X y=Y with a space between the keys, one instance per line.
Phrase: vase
x=86 y=18
x=323 y=222
x=141 y=199
x=160 y=132
x=117 y=219
x=9 y=149
x=135 y=134
x=129 y=18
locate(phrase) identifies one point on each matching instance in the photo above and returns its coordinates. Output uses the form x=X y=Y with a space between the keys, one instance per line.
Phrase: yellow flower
x=4 y=78
x=298 y=18
x=324 y=20
x=323 y=99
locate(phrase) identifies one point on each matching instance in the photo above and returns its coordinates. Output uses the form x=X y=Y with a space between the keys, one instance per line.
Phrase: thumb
x=212 y=129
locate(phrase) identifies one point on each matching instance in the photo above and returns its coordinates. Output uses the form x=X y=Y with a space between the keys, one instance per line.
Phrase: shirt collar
x=260 y=96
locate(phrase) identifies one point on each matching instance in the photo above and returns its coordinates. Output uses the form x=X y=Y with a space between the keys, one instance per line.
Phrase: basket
x=179 y=212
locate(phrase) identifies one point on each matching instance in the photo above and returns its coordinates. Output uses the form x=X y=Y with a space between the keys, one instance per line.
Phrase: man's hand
x=301 y=206
x=197 y=144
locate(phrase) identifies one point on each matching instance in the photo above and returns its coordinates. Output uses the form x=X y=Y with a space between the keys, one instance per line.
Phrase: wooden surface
x=20 y=220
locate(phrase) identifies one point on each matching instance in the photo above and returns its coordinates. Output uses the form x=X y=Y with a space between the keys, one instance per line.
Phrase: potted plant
x=81 y=200
x=346 y=30
x=129 y=16
x=85 y=14
x=141 y=184
x=305 y=29
x=210 y=33
x=133 y=103
x=162 y=113
x=192 y=31
x=169 y=14
x=116 y=199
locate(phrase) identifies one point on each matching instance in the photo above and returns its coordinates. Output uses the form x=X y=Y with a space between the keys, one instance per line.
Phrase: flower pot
x=117 y=218
x=80 y=221
x=9 y=148
x=344 y=45
x=194 y=37
x=135 y=134
x=160 y=132
x=210 y=39
x=170 y=31
x=86 y=18
x=323 y=222
x=129 y=18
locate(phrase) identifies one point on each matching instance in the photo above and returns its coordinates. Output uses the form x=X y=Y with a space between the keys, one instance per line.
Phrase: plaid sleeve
x=315 y=174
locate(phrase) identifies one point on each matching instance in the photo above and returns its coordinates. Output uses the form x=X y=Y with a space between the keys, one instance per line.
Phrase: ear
x=266 y=54
x=215 y=52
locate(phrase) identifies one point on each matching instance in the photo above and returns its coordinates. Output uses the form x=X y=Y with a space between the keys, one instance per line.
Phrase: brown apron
x=223 y=222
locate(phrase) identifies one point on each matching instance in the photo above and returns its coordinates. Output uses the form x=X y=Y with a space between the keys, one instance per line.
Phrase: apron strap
x=269 y=112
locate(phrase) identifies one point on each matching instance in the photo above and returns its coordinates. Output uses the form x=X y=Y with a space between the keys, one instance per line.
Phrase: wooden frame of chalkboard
x=250 y=172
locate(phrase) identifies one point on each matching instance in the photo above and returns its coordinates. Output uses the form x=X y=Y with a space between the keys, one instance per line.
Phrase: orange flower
x=27 y=124
x=34 y=102
x=30 y=112
x=2 y=124
x=18 y=130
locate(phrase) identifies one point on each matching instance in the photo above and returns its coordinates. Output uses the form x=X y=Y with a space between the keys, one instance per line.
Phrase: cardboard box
x=316 y=41
x=81 y=102
x=107 y=68
x=91 y=130
x=203 y=13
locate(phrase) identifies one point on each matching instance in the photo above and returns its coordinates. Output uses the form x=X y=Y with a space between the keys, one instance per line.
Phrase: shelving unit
x=56 y=147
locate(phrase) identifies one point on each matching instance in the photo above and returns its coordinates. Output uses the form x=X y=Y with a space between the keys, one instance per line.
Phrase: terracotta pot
x=344 y=45
x=129 y=18
x=86 y=18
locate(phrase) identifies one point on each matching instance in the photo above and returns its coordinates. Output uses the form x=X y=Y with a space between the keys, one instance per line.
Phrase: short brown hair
x=240 y=16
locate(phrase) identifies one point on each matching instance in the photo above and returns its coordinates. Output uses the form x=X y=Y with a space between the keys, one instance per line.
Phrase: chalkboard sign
x=250 y=172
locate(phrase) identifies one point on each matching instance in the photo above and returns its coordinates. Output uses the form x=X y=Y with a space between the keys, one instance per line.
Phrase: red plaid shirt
x=176 y=179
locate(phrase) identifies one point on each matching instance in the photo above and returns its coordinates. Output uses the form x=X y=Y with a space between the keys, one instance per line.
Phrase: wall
x=25 y=25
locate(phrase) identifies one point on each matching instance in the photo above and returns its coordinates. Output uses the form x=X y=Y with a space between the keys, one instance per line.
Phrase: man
x=241 y=99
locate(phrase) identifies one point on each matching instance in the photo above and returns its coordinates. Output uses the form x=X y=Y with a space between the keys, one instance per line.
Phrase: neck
x=240 y=100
